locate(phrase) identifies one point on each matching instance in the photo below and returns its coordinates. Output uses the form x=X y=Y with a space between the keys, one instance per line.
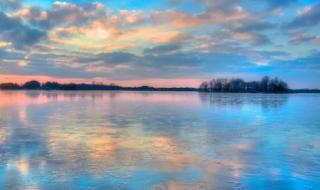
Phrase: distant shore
x=177 y=89
x=214 y=86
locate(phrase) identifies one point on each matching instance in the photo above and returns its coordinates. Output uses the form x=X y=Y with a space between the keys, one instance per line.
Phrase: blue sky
x=161 y=43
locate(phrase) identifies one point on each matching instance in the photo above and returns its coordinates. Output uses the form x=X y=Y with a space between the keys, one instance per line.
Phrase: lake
x=158 y=140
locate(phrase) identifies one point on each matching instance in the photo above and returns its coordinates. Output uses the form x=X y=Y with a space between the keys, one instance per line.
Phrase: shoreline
x=296 y=91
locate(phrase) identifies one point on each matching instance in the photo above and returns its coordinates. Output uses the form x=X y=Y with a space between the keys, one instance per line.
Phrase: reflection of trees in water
x=239 y=99
x=53 y=95
x=93 y=95
x=69 y=95
x=33 y=93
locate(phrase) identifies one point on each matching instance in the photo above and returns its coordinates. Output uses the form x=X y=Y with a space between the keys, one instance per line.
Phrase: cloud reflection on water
x=148 y=140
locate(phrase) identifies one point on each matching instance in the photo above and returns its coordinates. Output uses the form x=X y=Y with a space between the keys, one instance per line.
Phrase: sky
x=161 y=43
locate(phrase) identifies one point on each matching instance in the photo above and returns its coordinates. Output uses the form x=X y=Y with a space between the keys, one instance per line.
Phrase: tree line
x=35 y=85
x=265 y=85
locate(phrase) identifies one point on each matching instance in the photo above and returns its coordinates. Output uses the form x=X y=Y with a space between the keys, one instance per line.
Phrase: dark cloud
x=139 y=68
x=310 y=62
x=65 y=14
x=119 y=65
x=214 y=12
x=252 y=38
x=174 y=60
x=62 y=14
x=173 y=65
x=261 y=39
x=14 y=30
x=10 y=55
x=2 y=53
x=271 y=54
x=308 y=17
x=37 y=67
x=35 y=16
x=219 y=4
x=163 y=49
x=144 y=62
x=254 y=26
x=304 y=38
x=111 y=59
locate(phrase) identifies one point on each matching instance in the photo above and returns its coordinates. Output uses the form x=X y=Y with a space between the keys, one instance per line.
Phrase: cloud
x=165 y=61
x=248 y=31
x=9 y=58
x=66 y=14
x=246 y=37
x=310 y=62
x=109 y=36
x=62 y=14
x=307 y=17
x=34 y=16
x=140 y=63
x=113 y=65
x=89 y=26
x=192 y=39
x=2 y=52
x=215 y=12
x=10 y=4
x=110 y=59
x=132 y=17
x=302 y=37
x=21 y=35
x=178 y=19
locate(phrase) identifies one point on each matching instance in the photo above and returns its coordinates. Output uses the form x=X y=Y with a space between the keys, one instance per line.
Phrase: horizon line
x=113 y=84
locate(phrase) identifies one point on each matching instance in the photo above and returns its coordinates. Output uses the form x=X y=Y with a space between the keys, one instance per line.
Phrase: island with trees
x=237 y=85
x=265 y=85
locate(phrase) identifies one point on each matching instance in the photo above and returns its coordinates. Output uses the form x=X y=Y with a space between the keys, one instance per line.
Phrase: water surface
x=158 y=140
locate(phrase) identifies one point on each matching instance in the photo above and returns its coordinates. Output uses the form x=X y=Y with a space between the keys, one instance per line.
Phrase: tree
x=265 y=84
x=69 y=87
x=236 y=85
x=204 y=87
x=32 y=85
x=9 y=86
x=51 y=86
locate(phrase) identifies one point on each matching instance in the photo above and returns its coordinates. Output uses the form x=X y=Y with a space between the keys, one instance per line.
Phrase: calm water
x=158 y=140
